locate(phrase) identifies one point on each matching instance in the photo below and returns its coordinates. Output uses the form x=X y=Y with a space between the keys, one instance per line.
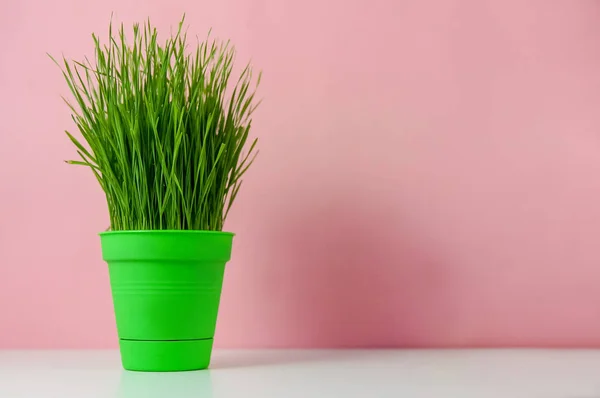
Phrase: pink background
x=429 y=174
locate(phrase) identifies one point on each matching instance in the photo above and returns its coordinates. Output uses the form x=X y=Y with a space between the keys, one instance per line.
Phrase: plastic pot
x=166 y=288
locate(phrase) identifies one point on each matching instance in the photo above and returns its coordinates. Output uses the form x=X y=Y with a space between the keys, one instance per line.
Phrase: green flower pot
x=166 y=288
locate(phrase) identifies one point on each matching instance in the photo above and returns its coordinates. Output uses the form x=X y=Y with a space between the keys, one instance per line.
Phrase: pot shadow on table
x=166 y=384
x=356 y=276
x=277 y=357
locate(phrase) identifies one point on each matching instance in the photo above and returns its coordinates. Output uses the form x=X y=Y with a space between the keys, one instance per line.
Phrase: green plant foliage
x=165 y=131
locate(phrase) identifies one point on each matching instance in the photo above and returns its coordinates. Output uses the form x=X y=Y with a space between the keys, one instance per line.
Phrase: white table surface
x=311 y=374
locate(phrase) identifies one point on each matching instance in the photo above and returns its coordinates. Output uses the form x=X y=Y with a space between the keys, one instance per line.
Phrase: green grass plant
x=164 y=131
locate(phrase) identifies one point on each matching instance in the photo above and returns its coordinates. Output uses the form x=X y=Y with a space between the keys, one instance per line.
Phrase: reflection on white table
x=311 y=373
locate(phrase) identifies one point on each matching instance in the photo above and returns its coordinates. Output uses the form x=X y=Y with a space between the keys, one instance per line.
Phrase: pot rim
x=165 y=232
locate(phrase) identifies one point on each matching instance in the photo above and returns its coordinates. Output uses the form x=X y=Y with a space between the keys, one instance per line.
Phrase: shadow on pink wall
x=358 y=278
